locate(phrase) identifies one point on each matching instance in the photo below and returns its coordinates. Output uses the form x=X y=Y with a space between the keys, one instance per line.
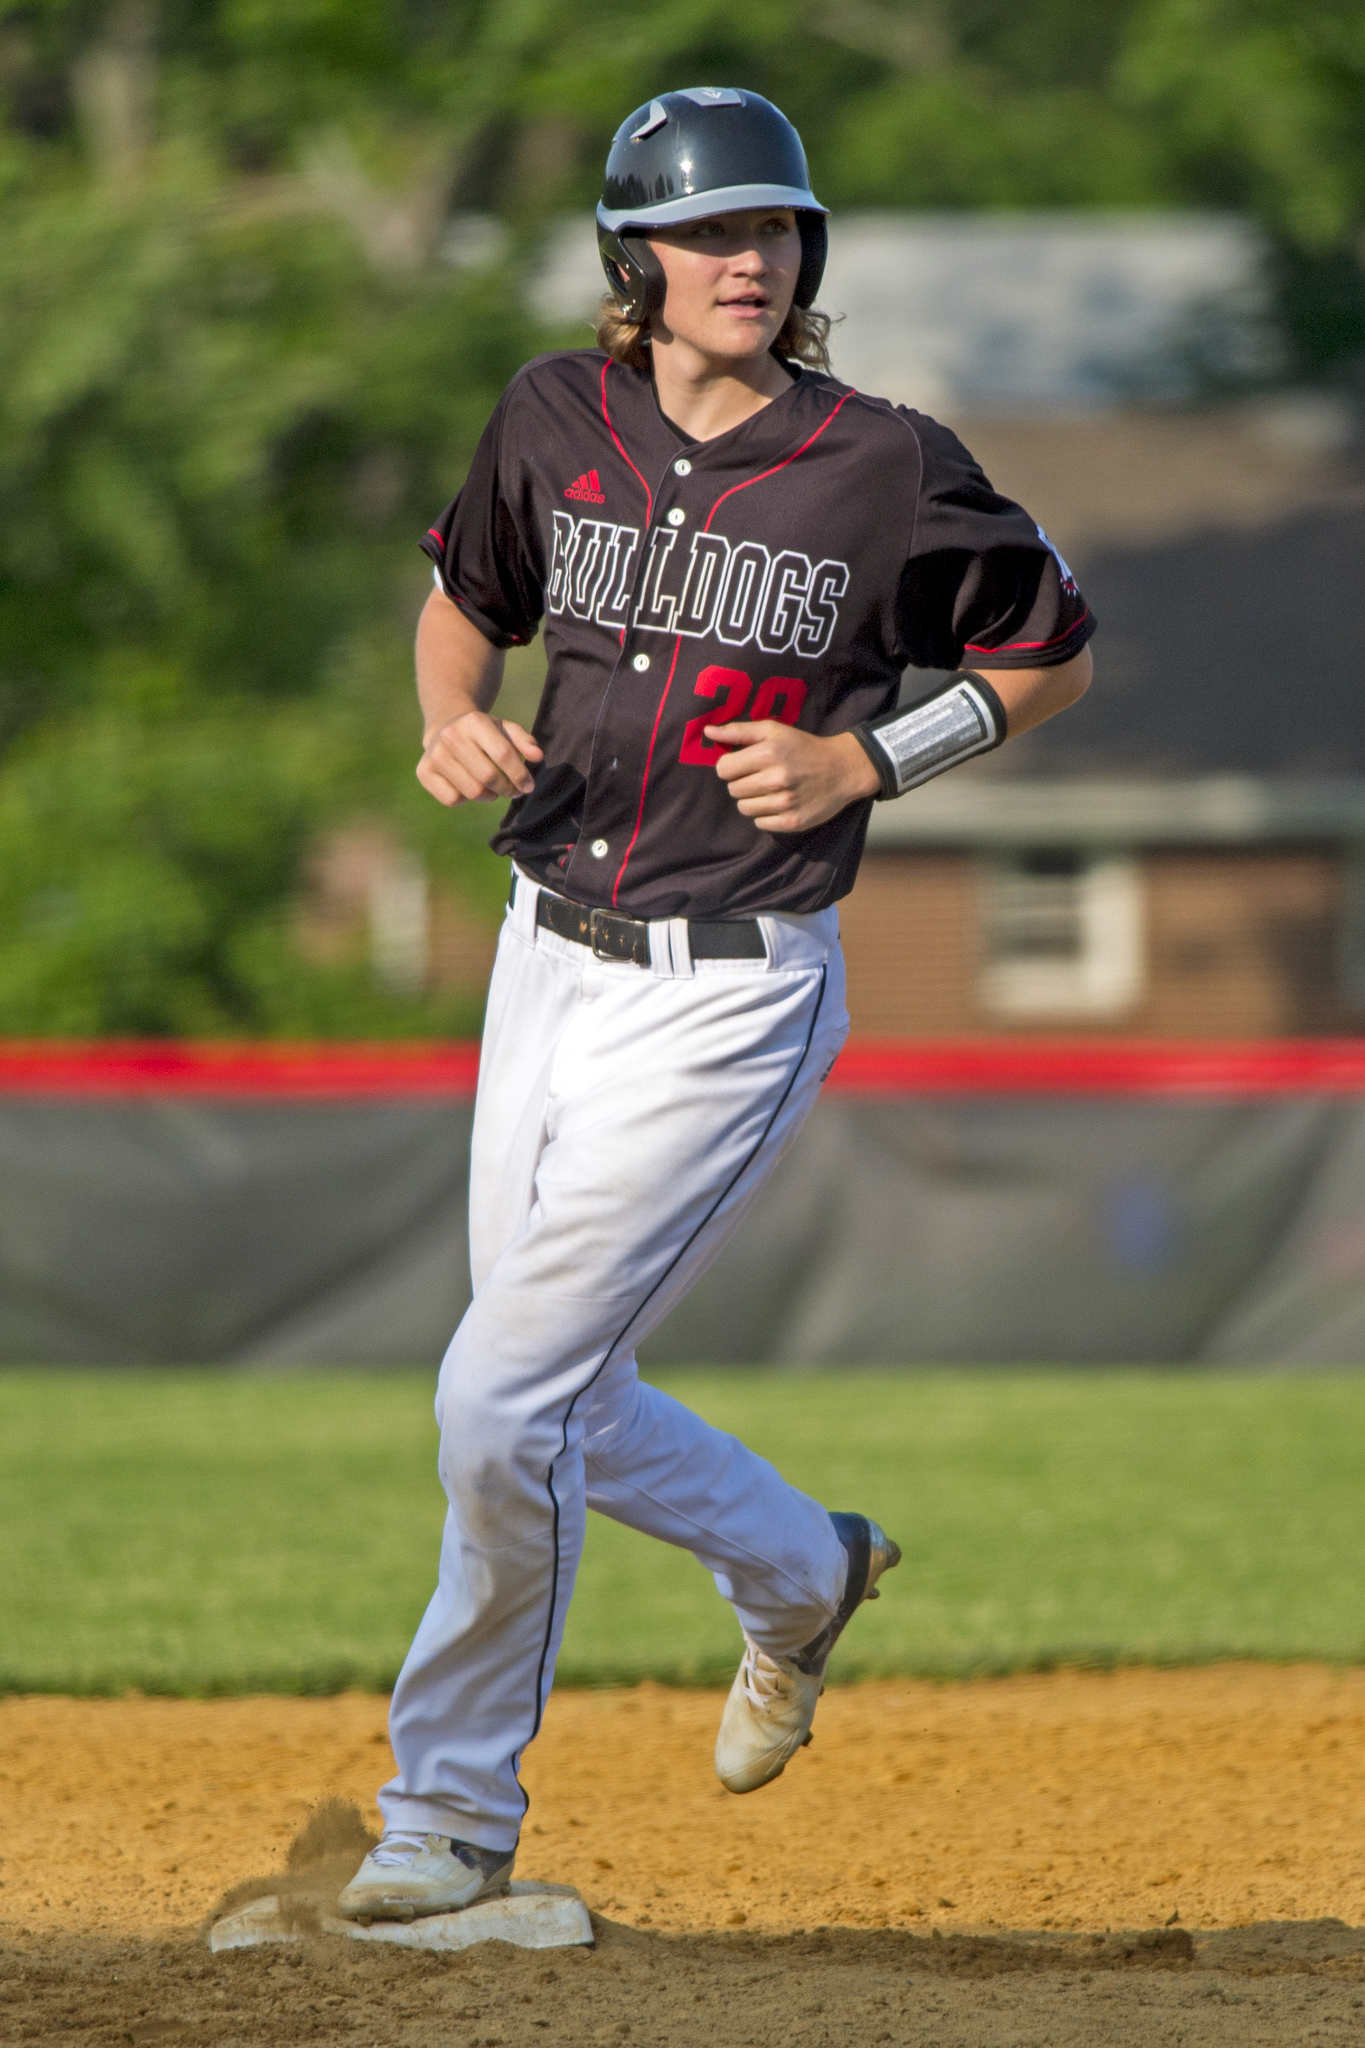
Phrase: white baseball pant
x=625 y=1118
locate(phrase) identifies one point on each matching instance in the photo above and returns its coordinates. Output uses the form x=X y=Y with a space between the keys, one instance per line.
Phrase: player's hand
x=476 y=758
x=787 y=780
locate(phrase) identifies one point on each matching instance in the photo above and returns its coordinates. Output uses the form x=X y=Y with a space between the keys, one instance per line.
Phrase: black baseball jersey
x=789 y=569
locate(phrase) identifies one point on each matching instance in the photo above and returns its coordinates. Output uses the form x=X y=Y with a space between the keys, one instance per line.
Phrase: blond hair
x=803 y=338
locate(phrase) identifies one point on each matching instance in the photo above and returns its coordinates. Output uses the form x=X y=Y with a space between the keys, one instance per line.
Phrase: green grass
x=192 y=1532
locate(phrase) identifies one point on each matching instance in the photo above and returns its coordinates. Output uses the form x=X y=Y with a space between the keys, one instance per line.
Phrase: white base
x=530 y=1916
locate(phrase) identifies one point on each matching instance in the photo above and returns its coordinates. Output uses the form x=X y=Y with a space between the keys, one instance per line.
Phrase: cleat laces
x=399 y=1848
x=764 y=1679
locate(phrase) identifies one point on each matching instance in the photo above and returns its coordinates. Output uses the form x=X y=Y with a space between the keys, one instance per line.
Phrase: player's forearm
x=975 y=711
x=468 y=756
x=1030 y=695
x=457 y=669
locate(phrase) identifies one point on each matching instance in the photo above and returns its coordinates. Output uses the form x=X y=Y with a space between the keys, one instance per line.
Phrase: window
x=1061 y=934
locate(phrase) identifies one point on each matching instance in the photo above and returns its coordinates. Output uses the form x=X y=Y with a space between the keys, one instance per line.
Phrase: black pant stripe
x=634 y=1316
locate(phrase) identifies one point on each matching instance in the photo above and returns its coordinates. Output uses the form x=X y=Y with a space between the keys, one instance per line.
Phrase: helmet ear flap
x=814 y=230
x=634 y=274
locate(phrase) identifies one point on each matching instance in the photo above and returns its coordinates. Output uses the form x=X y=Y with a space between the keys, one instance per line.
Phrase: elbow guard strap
x=964 y=718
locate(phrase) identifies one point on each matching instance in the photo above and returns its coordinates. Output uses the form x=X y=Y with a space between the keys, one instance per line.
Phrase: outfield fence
x=1052 y=1201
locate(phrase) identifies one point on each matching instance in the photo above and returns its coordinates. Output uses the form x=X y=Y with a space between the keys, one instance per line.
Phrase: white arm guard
x=964 y=718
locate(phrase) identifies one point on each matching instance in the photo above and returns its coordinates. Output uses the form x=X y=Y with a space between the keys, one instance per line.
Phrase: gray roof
x=1224 y=556
x=1025 y=311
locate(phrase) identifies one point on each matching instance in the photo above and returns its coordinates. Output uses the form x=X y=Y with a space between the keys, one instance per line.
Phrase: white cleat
x=408 y=1876
x=772 y=1702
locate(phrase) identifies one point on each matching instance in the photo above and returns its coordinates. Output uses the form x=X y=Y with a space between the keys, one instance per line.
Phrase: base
x=528 y=1915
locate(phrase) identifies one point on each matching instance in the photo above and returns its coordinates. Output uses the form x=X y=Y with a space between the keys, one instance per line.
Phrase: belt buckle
x=613 y=937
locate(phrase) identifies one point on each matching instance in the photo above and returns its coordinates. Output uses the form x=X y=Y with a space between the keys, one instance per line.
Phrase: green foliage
x=1258 y=106
x=221 y=427
x=1261 y=99
x=237 y=376
x=966 y=141
x=194 y=1532
x=147 y=863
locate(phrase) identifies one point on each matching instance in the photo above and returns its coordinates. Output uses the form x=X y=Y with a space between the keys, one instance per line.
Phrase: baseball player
x=732 y=558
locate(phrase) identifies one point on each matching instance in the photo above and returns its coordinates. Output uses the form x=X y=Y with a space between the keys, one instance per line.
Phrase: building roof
x=1022 y=311
x=1224 y=556
x=1019 y=311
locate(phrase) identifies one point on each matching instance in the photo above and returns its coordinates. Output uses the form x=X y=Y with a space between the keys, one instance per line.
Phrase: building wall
x=1234 y=943
x=1244 y=945
x=1237 y=943
x=910 y=942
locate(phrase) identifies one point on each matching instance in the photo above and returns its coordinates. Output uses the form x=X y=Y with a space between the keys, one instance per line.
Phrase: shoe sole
x=883 y=1555
x=405 y=1911
x=872 y=1554
x=890 y=1558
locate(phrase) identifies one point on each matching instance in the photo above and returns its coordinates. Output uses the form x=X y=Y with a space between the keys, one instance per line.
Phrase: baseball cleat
x=407 y=1876
x=772 y=1702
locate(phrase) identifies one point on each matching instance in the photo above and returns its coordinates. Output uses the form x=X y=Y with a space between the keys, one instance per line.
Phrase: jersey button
x=682 y=467
x=598 y=849
x=676 y=516
x=640 y=661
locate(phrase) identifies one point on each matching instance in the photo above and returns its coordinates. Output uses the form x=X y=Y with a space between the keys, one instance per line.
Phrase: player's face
x=729 y=282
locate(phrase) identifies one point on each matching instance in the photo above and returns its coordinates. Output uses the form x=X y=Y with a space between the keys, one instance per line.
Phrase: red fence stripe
x=1110 y=1067
x=866 y=1067
x=170 y=1068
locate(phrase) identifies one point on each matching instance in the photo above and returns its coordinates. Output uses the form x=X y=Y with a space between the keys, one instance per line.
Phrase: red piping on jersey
x=658 y=716
x=644 y=779
x=1026 y=646
x=649 y=495
x=777 y=465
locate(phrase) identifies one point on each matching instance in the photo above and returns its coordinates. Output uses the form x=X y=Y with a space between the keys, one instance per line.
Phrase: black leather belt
x=613 y=937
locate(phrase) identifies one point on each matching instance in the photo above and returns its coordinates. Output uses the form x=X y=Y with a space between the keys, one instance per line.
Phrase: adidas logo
x=588 y=487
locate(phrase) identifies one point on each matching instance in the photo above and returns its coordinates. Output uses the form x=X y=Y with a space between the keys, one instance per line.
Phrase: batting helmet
x=708 y=149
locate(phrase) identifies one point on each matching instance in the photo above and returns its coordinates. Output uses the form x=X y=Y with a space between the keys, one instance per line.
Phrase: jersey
x=791 y=569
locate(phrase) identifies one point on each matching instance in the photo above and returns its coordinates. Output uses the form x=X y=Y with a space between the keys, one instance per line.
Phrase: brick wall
x=910 y=940
x=1244 y=945
x=1237 y=944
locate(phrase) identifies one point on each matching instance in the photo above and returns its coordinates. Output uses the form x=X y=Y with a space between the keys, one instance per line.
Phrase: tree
x=238 y=372
x=1259 y=103
x=224 y=413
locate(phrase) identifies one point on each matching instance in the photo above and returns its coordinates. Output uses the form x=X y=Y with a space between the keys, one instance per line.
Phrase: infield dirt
x=1040 y=1862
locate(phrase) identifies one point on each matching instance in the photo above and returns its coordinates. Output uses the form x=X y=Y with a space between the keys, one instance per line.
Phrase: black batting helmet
x=708 y=149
